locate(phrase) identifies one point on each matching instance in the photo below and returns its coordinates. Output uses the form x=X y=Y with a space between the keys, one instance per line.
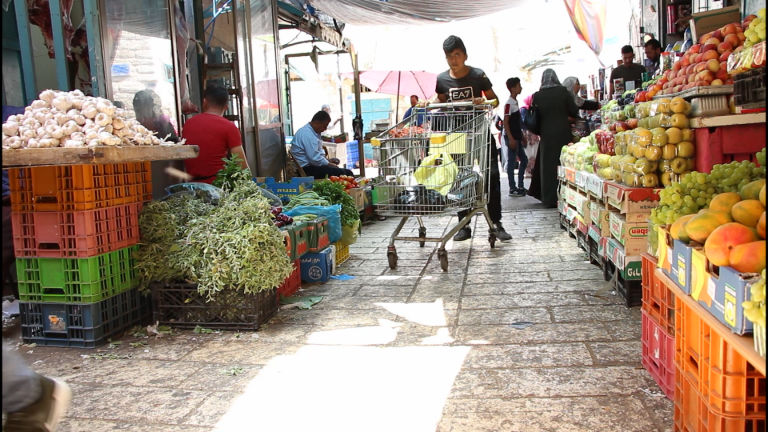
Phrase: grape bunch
x=754 y=309
x=695 y=190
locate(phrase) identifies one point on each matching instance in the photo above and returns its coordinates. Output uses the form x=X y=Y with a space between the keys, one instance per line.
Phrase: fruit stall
x=668 y=198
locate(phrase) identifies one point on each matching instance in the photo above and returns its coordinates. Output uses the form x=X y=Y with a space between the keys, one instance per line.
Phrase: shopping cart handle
x=462 y=104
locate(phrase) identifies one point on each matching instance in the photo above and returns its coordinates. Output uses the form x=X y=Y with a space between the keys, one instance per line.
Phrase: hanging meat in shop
x=39 y=12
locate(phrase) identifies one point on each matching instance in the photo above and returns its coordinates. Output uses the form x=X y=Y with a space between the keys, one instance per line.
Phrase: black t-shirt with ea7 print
x=462 y=89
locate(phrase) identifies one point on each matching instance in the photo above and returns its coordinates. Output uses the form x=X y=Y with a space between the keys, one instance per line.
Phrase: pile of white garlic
x=72 y=119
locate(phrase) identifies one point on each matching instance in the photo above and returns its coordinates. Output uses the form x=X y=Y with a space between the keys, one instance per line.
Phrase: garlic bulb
x=118 y=123
x=119 y=132
x=32 y=143
x=12 y=142
x=102 y=119
x=11 y=128
x=104 y=106
x=62 y=118
x=77 y=103
x=94 y=143
x=62 y=103
x=13 y=119
x=47 y=95
x=89 y=111
x=40 y=132
x=55 y=132
x=73 y=143
x=77 y=93
x=40 y=116
x=77 y=136
x=38 y=104
x=91 y=135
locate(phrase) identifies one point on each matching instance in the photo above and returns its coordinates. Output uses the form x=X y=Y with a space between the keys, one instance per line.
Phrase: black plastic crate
x=581 y=241
x=82 y=325
x=749 y=89
x=564 y=222
x=630 y=291
x=594 y=257
x=182 y=306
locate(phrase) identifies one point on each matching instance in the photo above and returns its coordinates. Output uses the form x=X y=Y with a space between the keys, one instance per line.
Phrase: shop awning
x=368 y=12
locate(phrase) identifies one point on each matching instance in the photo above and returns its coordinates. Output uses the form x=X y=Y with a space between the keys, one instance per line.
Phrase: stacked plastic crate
x=75 y=229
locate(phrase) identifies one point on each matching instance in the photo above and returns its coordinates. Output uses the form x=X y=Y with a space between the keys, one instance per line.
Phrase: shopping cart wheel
x=442 y=254
x=422 y=235
x=392 y=257
x=492 y=240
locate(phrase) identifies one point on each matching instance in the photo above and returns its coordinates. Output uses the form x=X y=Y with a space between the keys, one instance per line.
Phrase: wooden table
x=727 y=120
x=97 y=155
x=744 y=345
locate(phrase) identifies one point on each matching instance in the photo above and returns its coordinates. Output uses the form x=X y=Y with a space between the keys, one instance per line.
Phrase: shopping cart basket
x=435 y=170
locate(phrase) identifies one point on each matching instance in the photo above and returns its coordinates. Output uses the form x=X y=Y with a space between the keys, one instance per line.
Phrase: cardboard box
x=582 y=205
x=285 y=191
x=582 y=225
x=571 y=196
x=601 y=218
x=581 y=180
x=595 y=186
x=675 y=259
x=630 y=267
x=570 y=175
x=709 y=21
x=635 y=203
x=722 y=290
x=358 y=194
x=561 y=172
x=317 y=267
x=633 y=236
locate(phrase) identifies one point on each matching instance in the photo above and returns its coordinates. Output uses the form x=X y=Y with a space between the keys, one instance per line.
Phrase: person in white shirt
x=307 y=149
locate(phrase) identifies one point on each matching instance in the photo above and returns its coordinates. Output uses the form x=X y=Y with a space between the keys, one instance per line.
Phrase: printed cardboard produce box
x=633 y=236
x=722 y=290
x=630 y=267
x=675 y=259
x=600 y=217
x=595 y=186
x=286 y=191
x=635 y=203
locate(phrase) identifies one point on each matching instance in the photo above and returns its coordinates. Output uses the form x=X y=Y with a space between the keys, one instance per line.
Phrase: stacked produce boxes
x=75 y=229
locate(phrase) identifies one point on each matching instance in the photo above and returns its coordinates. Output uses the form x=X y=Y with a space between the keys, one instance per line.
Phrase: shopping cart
x=435 y=170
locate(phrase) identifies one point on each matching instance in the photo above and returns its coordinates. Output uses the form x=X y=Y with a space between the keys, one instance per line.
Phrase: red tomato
x=334 y=178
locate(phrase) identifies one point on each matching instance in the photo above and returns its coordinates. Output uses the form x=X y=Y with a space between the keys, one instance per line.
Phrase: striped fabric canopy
x=588 y=17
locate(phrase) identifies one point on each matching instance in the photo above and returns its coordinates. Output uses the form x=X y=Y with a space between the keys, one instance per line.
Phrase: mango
x=752 y=190
x=677 y=230
x=747 y=212
x=724 y=202
x=703 y=224
x=761 y=226
x=749 y=257
x=724 y=239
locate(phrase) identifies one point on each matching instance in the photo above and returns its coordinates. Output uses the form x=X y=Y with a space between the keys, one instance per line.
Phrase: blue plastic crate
x=368 y=147
x=83 y=325
x=353 y=154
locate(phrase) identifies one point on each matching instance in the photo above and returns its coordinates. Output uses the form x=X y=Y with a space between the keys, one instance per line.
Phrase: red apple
x=717 y=34
x=728 y=29
x=732 y=39
x=742 y=37
x=716 y=82
x=729 y=81
x=714 y=41
x=694 y=48
x=723 y=47
x=709 y=55
x=724 y=56
x=722 y=74
x=709 y=47
x=713 y=65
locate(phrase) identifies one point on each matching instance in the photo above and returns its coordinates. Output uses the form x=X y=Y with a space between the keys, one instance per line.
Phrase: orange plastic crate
x=692 y=413
x=658 y=300
x=729 y=384
x=81 y=234
x=79 y=187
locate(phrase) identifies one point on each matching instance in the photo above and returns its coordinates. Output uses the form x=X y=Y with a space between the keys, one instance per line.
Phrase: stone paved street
x=412 y=349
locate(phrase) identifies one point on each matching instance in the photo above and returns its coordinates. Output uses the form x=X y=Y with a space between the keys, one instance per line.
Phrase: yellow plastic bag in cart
x=437 y=172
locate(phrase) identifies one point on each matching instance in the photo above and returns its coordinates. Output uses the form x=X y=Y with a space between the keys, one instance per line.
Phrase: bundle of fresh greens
x=234 y=245
x=335 y=194
x=308 y=198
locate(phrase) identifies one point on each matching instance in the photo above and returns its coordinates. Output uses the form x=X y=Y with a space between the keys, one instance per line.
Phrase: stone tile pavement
x=511 y=339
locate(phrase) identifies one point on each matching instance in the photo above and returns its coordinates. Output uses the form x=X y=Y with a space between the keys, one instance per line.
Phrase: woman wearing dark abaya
x=555 y=104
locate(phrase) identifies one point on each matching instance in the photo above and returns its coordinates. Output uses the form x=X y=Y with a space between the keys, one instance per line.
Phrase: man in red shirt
x=216 y=136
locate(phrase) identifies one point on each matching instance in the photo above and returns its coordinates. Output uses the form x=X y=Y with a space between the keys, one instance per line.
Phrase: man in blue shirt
x=419 y=120
x=307 y=149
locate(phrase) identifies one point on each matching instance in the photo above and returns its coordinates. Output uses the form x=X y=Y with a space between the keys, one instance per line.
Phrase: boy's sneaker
x=463 y=234
x=45 y=414
x=519 y=192
x=501 y=233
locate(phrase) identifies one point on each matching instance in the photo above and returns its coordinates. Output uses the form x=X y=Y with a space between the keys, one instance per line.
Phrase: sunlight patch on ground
x=427 y=314
x=348 y=389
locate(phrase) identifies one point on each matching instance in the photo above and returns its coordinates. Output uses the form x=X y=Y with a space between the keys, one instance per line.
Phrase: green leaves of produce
x=335 y=193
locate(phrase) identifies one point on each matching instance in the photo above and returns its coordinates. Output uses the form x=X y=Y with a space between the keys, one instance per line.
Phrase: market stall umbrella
x=265 y=105
x=419 y=83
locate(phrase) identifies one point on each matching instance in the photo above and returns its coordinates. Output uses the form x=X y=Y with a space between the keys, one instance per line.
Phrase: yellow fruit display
x=674 y=135
x=685 y=149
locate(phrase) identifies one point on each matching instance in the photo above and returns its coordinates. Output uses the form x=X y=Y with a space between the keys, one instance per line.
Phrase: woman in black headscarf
x=149 y=112
x=555 y=104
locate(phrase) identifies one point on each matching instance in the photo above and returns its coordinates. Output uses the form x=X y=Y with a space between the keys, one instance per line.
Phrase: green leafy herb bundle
x=335 y=193
x=234 y=245
x=228 y=176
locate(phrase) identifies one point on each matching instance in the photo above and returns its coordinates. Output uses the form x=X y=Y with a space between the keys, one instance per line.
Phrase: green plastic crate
x=83 y=280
